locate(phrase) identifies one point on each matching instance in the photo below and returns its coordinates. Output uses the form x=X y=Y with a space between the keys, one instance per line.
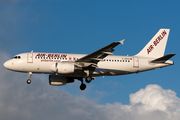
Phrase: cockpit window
x=16 y=57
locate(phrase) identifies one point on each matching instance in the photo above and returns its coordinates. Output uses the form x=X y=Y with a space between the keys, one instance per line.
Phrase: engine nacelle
x=63 y=68
x=56 y=80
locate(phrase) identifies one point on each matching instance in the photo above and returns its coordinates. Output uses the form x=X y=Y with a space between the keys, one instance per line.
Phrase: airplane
x=65 y=68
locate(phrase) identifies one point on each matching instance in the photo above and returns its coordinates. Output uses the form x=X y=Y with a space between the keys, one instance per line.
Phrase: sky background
x=84 y=26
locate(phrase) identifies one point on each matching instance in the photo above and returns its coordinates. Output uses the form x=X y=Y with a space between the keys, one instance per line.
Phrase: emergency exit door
x=136 y=62
x=30 y=57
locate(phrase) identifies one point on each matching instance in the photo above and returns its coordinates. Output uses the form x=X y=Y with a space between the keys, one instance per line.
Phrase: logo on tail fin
x=156 y=41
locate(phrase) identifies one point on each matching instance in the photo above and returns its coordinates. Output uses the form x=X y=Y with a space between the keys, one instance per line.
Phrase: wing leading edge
x=100 y=54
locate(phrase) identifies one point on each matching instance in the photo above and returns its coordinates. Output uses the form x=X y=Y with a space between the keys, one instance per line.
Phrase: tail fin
x=156 y=46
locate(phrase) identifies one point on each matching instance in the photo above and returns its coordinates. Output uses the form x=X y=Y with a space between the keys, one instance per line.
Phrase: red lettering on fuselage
x=57 y=55
x=51 y=55
x=63 y=56
x=40 y=55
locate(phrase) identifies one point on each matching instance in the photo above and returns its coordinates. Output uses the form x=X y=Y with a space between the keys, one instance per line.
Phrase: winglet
x=122 y=41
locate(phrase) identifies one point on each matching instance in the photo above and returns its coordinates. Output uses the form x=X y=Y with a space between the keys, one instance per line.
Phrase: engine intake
x=56 y=80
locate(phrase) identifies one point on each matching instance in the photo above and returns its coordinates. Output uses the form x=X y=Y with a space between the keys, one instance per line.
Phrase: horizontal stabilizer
x=163 y=59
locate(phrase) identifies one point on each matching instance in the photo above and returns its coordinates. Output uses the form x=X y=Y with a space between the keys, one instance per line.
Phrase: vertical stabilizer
x=156 y=46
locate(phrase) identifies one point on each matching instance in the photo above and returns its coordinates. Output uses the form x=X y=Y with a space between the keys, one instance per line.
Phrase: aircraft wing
x=100 y=54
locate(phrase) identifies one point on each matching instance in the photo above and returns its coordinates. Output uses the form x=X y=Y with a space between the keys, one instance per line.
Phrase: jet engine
x=56 y=80
x=64 y=68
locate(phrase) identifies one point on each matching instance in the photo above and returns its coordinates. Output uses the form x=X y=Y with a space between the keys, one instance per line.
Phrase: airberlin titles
x=156 y=41
x=51 y=55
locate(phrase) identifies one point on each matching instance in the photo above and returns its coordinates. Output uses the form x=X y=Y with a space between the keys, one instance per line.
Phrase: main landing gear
x=29 y=75
x=88 y=80
x=82 y=86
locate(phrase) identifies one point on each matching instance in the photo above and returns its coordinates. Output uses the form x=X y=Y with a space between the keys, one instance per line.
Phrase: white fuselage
x=67 y=67
x=110 y=66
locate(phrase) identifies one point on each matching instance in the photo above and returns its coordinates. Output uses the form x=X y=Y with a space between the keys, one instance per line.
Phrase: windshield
x=16 y=57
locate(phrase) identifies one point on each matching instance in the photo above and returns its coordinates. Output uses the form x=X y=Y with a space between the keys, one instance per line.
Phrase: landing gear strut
x=29 y=75
x=88 y=78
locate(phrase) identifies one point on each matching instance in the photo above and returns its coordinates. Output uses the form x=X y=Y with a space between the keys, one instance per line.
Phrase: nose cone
x=7 y=65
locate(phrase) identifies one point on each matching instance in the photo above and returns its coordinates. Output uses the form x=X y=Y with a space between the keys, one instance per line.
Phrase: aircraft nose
x=6 y=65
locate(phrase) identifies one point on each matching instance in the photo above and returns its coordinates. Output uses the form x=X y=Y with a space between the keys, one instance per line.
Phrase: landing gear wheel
x=29 y=75
x=83 y=86
x=28 y=81
x=88 y=79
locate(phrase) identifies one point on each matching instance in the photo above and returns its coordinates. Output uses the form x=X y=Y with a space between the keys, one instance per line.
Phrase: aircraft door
x=30 y=57
x=136 y=62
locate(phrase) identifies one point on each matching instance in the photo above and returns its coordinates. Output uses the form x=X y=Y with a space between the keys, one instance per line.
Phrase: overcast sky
x=84 y=26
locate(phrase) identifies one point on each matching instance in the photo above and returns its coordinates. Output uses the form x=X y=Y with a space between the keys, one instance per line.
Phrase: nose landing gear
x=29 y=75
x=28 y=81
